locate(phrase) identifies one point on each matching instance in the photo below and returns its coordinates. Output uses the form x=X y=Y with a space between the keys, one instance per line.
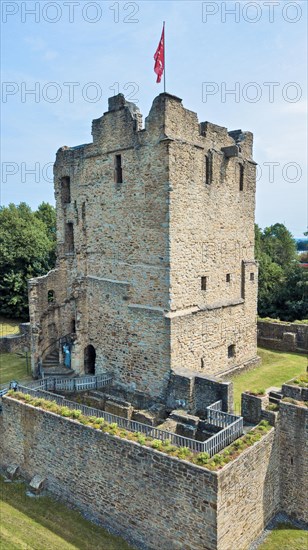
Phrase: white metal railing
x=219 y=418
x=224 y=438
x=215 y=406
x=212 y=445
x=80 y=383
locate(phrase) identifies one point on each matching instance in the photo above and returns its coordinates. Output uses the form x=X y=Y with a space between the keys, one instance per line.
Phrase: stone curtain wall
x=152 y=500
x=283 y=336
x=293 y=424
x=148 y=498
x=248 y=494
x=17 y=343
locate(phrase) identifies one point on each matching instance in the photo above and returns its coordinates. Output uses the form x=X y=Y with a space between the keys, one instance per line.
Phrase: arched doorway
x=89 y=359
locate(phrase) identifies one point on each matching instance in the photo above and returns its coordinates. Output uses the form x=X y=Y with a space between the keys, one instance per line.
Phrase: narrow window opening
x=203 y=283
x=83 y=211
x=202 y=363
x=65 y=190
x=208 y=168
x=252 y=276
x=69 y=238
x=118 y=169
x=291 y=461
x=73 y=326
x=231 y=351
x=51 y=296
x=243 y=280
x=241 y=177
x=228 y=277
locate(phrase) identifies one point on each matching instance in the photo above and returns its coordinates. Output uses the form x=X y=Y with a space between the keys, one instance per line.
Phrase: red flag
x=159 y=57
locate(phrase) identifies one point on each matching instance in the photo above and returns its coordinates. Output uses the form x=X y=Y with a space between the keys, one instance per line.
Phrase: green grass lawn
x=285 y=537
x=8 y=326
x=13 y=366
x=276 y=368
x=45 y=524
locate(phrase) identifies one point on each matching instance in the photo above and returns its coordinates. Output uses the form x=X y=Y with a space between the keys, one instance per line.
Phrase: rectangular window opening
x=228 y=278
x=243 y=280
x=231 y=351
x=208 y=168
x=252 y=276
x=203 y=283
x=65 y=190
x=241 y=177
x=118 y=169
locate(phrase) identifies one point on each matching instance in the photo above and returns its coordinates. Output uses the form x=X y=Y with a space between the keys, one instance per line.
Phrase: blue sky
x=76 y=54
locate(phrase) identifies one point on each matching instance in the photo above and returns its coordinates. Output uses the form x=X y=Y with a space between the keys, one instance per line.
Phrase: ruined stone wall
x=293 y=428
x=151 y=499
x=283 y=336
x=16 y=343
x=248 y=494
x=198 y=391
x=148 y=498
x=49 y=319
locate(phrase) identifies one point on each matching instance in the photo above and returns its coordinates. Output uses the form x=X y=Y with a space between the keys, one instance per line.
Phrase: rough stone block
x=185 y=418
x=145 y=417
x=12 y=471
x=181 y=388
x=186 y=430
x=270 y=416
x=289 y=339
x=37 y=484
x=252 y=406
x=231 y=151
x=305 y=394
x=113 y=407
x=295 y=392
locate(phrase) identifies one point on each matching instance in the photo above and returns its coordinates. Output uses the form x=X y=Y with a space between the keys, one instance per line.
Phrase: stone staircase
x=51 y=366
x=275 y=395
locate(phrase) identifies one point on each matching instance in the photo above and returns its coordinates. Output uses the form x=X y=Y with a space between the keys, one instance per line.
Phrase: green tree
x=283 y=285
x=47 y=214
x=279 y=244
x=27 y=249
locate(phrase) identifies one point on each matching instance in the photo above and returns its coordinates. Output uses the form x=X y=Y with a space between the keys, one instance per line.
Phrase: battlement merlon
x=176 y=122
x=121 y=127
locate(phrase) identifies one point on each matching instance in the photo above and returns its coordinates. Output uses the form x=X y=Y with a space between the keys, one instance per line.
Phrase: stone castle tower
x=155 y=263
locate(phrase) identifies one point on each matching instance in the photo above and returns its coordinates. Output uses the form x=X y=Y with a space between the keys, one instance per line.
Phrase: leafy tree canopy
x=283 y=285
x=27 y=249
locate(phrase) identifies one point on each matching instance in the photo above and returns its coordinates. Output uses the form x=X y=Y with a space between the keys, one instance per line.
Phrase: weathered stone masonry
x=155 y=232
x=151 y=499
x=283 y=336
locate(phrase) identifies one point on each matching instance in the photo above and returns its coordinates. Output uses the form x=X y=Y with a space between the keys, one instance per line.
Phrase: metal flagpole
x=164 y=59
